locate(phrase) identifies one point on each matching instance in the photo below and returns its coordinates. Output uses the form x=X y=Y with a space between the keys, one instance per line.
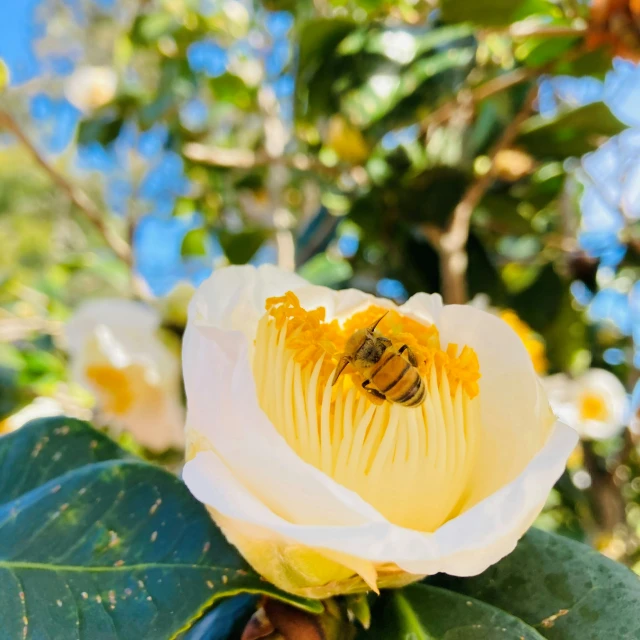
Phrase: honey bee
x=389 y=369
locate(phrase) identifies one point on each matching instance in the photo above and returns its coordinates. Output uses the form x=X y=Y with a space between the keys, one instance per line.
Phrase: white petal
x=516 y=418
x=233 y=298
x=222 y=405
x=424 y=307
x=464 y=546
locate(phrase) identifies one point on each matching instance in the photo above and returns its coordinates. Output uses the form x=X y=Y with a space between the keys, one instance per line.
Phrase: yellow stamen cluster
x=114 y=384
x=413 y=464
x=531 y=340
x=593 y=407
x=311 y=338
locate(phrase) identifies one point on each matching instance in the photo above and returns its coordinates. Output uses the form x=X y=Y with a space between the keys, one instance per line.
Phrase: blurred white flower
x=117 y=354
x=594 y=404
x=325 y=490
x=42 y=407
x=89 y=88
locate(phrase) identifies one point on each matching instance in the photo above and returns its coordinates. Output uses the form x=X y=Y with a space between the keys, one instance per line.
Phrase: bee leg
x=410 y=355
x=373 y=392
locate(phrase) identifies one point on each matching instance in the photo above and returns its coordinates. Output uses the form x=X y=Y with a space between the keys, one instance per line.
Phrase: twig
x=75 y=194
x=248 y=159
x=451 y=243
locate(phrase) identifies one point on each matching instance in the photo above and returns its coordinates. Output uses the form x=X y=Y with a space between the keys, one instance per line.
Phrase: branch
x=248 y=159
x=451 y=243
x=75 y=194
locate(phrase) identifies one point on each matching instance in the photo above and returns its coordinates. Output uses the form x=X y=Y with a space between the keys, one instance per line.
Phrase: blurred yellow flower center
x=532 y=342
x=593 y=407
x=412 y=464
x=113 y=383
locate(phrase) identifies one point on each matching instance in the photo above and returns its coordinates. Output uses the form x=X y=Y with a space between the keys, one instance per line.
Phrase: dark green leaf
x=538 y=305
x=591 y=63
x=536 y=52
x=12 y=396
x=492 y=12
x=103 y=129
x=424 y=612
x=564 y=589
x=318 y=39
x=240 y=247
x=48 y=448
x=570 y=133
x=94 y=544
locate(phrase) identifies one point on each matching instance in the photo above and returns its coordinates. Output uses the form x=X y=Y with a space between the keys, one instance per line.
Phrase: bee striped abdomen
x=398 y=380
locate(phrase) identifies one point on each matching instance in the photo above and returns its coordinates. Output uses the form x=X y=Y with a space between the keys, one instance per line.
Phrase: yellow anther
x=311 y=338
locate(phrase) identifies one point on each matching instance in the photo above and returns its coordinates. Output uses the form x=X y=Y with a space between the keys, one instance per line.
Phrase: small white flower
x=594 y=404
x=41 y=407
x=325 y=491
x=117 y=354
x=89 y=88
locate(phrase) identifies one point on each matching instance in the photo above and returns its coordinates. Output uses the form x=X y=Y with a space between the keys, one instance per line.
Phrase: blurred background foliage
x=395 y=147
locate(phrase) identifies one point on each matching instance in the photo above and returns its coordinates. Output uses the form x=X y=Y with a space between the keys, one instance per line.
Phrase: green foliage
x=95 y=543
x=549 y=587
x=570 y=133
x=493 y=12
x=562 y=588
x=429 y=613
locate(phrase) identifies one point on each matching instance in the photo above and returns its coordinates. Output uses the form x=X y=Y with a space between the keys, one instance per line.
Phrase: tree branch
x=248 y=159
x=451 y=243
x=75 y=194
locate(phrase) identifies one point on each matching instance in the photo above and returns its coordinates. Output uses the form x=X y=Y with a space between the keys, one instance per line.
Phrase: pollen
x=311 y=338
x=396 y=458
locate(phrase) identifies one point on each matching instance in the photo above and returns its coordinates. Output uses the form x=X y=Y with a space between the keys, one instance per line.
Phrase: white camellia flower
x=89 y=88
x=594 y=404
x=117 y=354
x=327 y=490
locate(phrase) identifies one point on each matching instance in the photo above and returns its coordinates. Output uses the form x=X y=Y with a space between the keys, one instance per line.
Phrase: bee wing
x=342 y=363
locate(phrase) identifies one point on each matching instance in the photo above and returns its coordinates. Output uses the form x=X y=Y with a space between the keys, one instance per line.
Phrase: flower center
x=113 y=385
x=411 y=463
x=593 y=407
